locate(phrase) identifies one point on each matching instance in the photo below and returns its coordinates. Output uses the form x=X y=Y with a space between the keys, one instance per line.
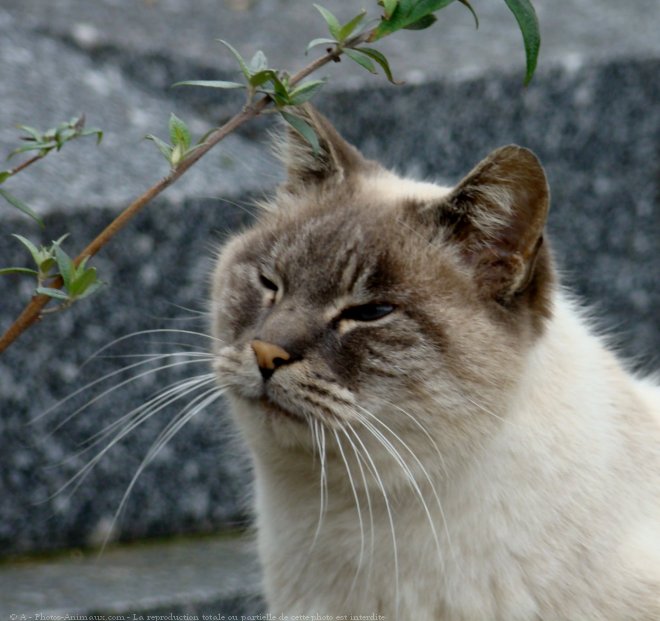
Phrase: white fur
x=556 y=515
x=388 y=186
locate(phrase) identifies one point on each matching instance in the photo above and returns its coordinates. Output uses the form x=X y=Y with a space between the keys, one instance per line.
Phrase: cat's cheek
x=238 y=373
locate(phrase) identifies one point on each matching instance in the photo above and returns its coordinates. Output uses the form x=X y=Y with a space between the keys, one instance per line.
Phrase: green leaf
x=34 y=251
x=89 y=290
x=163 y=147
x=379 y=57
x=82 y=282
x=334 y=27
x=34 y=146
x=57 y=294
x=179 y=132
x=57 y=242
x=35 y=134
x=361 y=59
x=257 y=79
x=389 y=6
x=93 y=131
x=80 y=268
x=409 y=14
x=305 y=91
x=210 y=84
x=65 y=135
x=303 y=128
x=46 y=264
x=4 y=175
x=467 y=4
x=18 y=270
x=21 y=206
x=422 y=23
x=65 y=265
x=280 y=92
x=178 y=153
x=244 y=68
x=259 y=62
x=321 y=41
x=347 y=29
x=525 y=15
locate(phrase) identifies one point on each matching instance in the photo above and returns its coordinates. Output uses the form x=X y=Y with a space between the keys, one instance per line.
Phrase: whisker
x=359 y=458
x=410 y=477
x=485 y=409
x=396 y=455
x=110 y=390
x=108 y=376
x=179 y=389
x=197 y=314
x=319 y=435
x=173 y=427
x=159 y=353
x=152 y=331
x=141 y=416
x=357 y=503
x=424 y=431
x=388 y=510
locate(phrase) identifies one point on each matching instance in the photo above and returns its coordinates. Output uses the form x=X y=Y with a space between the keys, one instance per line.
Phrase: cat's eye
x=366 y=312
x=267 y=283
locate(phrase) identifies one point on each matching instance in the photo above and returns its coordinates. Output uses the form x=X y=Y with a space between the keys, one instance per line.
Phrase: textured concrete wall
x=592 y=115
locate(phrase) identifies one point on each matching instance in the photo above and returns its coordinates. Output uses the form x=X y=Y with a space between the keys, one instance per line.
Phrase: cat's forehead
x=355 y=239
x=329 y=251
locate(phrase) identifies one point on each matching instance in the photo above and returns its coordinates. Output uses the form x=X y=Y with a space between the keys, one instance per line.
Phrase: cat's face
x=362 y=299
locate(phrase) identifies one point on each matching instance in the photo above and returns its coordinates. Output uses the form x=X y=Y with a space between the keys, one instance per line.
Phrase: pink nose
x=269 y=356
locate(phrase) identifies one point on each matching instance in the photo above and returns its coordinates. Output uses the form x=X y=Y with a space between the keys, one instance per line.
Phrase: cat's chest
x=395 y=554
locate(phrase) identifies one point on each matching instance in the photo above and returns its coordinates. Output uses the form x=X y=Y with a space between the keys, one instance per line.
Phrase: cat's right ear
x=496 y=215
x=334 y=161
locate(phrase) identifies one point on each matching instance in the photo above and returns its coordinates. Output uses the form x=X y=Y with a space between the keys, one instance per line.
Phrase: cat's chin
x=275 y=411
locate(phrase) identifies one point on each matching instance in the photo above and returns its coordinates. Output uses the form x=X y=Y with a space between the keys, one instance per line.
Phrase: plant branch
x=25 y=164
x=34 y=309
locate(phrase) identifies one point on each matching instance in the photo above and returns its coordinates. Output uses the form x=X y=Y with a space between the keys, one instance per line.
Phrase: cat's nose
x=269 y=357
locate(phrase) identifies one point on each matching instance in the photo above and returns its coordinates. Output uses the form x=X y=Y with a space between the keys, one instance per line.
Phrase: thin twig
x=33 y=311
x=26 y=163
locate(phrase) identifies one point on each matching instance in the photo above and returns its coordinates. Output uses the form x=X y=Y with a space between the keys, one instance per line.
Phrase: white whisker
x=409 y=475
x=320 y=439
x=107 y=376
x=359 y=458
x=390 y=516
x=203 y=335
x=357 y=504
x=424 y=431
x=173 y=427
x=139 y=415
x=171 y=393
x=125 y=382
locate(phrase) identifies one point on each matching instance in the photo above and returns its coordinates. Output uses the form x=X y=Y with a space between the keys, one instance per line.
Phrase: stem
x=26 y=163
x=33 y=311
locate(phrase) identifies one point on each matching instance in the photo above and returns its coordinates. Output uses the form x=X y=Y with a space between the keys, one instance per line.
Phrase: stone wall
x=593 y=118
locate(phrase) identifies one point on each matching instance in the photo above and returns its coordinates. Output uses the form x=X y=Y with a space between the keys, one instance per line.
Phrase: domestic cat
x=436 y=434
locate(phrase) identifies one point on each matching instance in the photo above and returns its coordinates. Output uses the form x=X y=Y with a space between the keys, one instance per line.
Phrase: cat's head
x=358 y=295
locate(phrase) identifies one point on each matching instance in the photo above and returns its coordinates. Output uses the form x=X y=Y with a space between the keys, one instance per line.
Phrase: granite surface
x=592 y=114
x=197 y=576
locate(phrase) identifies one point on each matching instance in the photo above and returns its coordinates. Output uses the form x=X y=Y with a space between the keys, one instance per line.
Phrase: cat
x=436 y=434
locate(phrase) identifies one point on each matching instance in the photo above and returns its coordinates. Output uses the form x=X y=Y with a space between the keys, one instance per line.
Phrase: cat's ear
x=335 y=160
x=497 y=215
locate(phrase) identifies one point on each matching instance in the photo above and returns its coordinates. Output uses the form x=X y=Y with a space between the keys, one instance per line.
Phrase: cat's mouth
x=273 y=409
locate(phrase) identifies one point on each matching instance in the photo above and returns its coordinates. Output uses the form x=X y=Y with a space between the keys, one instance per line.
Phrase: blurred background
x=592 y=114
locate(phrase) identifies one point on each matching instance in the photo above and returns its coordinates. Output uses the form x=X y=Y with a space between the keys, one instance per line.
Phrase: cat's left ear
x=333 y=161
x=497 y=215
